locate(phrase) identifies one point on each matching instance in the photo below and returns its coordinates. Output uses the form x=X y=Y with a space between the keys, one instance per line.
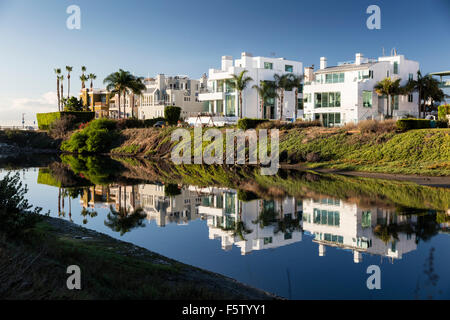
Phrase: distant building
x=162 y=91
x=345 y=93
x=97 y=100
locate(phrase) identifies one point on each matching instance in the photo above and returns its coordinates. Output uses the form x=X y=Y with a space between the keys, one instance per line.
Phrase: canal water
x=298 y=235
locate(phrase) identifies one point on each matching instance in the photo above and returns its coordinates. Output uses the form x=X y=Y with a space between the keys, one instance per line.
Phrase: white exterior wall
x=352 y=109
x=255 y=69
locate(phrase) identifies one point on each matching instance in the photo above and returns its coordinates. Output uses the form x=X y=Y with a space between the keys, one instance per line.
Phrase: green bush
x=410 y=124
x=99 y=136
x=443 y=111
x=149 y=123
x=73 y=105
x=15 y=215
x=172 y=114
x=248 y=123
x=46 y=119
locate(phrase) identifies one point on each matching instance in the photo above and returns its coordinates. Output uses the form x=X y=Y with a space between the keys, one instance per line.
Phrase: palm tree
x=419 y=86
x=428 y=89
x=390 y=89
x=119 y=83
x=296 y=82
x=69 y=70
x=83 y=79
x=83 y=69
x=239 y=83
x=61 y=80
x=58 y=73
x=265 y=91
x=92 y=77
x=137 y=87
x=282 y=83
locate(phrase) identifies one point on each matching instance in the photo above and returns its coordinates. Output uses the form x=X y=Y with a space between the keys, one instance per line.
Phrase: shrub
x=130 y=123
x=46 y=119
x=410 y=124
x=172 y=114
x=307 y=124
x=15 y=216
x=73 y=105
x=443 y=111
x=374 y=126
x=151 y=122
x=60 y=127
x=313 y=157
x=99 y=136
x=248 y=123
x=171 y=190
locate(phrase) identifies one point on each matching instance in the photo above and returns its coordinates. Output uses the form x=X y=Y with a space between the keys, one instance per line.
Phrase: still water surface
x=314 y=246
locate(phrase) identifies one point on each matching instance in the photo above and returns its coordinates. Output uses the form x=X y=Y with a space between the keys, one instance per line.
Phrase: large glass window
x=367 y=99
x=327 y=99
x=220 y=85
x=288 y=68
x=268 y=65
x=230 y=101
x=395 y=102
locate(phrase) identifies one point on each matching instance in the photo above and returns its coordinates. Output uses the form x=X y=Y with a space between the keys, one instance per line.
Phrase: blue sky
x=188 y=37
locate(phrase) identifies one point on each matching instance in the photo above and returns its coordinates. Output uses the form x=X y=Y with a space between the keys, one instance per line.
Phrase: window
x=307 y=98
x=367 y=99
x=366 y=219
x=267 y=240
x=410 y=98
x=387 y=74
x=300 y=103
x=395 y=67
x=334 y=78
x=268 y=65
x=327 y=99
x=410 y=76
x=395 y=102
x=288 y=68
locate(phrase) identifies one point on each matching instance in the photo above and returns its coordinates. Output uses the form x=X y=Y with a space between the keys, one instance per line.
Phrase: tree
x=69 y=70
x=73 y=104
x=83 y=79
x=390 y=89
x=122 y=221
x=119 y=83
x=239 y=83
x=58 y=73
x=137 y=87
x=61 y=80
x=297 y=83
x=428 y=89
x=266 y=90
x=172 y=114
x=282 y=83
x=92 y=77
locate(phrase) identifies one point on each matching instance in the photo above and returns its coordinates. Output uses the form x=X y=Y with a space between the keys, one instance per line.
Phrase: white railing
x=25 y=128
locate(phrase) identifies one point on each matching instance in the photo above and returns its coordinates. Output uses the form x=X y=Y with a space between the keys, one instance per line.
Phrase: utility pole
x=23 y=120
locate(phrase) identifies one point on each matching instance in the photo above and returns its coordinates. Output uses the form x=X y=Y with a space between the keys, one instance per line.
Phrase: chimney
x=227 y=62
x=358 y=58
x=309 y=74
x=246 y=54
x=323 y=63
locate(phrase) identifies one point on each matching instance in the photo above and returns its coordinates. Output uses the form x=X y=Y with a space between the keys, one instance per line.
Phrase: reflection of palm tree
x=241 y=229
x=123 y=222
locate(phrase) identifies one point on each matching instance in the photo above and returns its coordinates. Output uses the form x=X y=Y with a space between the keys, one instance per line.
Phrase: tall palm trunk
x=240 y=105
x=420 y=103
x=57 y=92
x=68 y=86
x=296 y=103
x=281 y=104
x=62 y=95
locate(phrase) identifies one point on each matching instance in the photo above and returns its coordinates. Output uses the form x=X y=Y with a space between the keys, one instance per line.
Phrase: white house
x=345 y=93
x=223 y=102
x=335 y=223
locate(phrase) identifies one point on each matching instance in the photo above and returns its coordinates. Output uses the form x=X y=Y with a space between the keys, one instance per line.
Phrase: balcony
x=209 y=96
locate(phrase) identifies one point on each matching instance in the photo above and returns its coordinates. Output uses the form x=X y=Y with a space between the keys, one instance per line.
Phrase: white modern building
x=335 y=223
x=242 y=224
x=223 y=102
x=162 y=91
x=345 y=93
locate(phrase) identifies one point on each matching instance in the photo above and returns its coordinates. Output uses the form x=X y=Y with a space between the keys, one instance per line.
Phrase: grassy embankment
x=422 y=152
x=35 y=268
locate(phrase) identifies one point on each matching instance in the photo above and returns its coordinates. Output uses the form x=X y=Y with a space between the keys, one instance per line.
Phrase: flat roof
x=441 y=73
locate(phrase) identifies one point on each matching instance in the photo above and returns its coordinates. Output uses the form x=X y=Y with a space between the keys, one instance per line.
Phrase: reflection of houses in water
x=97 y=194
x=164 y=209
x=239 y=223
x=344 y=225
